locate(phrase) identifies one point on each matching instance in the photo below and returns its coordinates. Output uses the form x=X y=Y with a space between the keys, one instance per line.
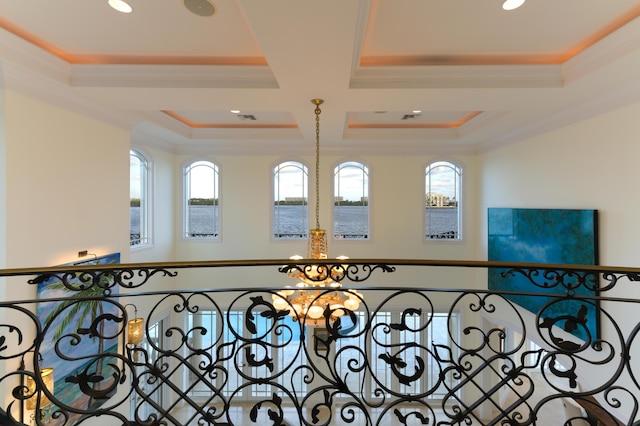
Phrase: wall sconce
x=134 y=331
x=46 y=374
x=31 y=388
x=135 y=328
x=85 y=253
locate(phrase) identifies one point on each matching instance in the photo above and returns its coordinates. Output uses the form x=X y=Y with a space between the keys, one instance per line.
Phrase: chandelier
x=317 y=291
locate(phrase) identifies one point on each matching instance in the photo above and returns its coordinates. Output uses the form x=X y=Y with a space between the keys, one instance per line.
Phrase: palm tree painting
x=76 y=329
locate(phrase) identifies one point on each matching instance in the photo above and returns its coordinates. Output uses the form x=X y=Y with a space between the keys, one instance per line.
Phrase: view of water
x=442 y=222
x=203 y=221
x=290 y=222
x=352 y=221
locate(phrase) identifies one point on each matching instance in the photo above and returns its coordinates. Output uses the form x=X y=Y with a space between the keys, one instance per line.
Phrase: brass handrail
x=351 y=261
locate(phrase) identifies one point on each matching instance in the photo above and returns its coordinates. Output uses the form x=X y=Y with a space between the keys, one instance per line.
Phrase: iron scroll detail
x=336 y=271
x=425 y=353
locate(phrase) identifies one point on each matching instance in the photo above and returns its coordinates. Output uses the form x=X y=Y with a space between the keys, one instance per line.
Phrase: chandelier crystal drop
x=317 y=291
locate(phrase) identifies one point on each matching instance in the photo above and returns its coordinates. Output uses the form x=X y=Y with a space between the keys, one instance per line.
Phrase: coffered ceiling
x=412 y=76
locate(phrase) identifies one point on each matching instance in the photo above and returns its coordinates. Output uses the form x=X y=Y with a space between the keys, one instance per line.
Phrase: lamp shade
x=135 y=331
x=46 y=374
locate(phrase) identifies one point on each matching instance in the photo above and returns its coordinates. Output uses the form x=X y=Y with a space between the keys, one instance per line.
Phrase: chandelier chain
x=317 y=102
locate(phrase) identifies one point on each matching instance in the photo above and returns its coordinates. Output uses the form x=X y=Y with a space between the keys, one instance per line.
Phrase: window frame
x=186 y=169
x=366 y=170
x=146 y=199
x=274 y=170
x=459 y=170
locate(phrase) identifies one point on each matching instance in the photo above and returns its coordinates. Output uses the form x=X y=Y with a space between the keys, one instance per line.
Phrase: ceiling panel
x=480 y=76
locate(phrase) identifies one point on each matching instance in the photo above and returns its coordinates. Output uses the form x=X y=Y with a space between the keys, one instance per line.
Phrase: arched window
x=139 y=199
x=290 y=200
x=202 y=202
x=442 y=201
x=351 y=201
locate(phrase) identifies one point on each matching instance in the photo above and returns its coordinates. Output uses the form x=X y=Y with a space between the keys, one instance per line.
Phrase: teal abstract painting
x=550 y=236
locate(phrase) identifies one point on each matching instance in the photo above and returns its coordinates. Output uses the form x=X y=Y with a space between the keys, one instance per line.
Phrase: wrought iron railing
x=435 y=352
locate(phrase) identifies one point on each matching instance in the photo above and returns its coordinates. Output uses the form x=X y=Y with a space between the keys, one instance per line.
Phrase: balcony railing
x=435 y=352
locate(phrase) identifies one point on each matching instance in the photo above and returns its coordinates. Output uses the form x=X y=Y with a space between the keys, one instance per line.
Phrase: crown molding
x=36 y=86
x=22 y=54
x=608 y=102
x=457 y=76
x=610 y=49
x=173 y=76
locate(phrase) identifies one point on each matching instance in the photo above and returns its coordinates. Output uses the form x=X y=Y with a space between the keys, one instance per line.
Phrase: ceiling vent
x=410 y=116
x=247 y=117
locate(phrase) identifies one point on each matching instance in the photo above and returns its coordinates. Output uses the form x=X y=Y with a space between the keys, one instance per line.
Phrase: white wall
x=589 y=165
x=68 y=180
x=3 y=209
x=3 y=182
x=67 y=190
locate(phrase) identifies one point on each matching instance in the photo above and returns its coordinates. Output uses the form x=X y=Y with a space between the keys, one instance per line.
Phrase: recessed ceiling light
x=512 y=4
x=416 y=111
x=120 y=6
x=235 y=111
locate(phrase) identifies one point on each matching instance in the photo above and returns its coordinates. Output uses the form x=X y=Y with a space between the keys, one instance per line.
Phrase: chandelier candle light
x=316 y=292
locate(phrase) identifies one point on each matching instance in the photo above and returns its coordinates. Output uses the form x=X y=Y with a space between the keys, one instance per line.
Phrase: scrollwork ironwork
x=428 y=354
x=105 y=280
x=566 y=280
x=337 y=272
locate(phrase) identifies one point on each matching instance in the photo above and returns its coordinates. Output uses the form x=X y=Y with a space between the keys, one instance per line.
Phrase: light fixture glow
x=120 y=6
x=135 y=331
x=235 y=111
x=512 y=4
x=46 y=375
